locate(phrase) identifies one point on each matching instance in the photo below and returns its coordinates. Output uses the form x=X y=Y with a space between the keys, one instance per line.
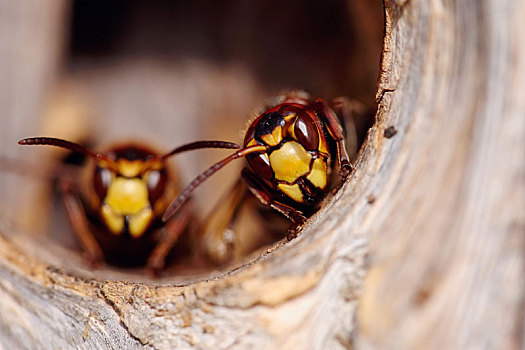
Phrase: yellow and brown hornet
x=116 y=211
x=291 y=150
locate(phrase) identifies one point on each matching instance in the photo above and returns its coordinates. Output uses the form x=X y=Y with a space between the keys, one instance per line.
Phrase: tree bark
x=423 y=247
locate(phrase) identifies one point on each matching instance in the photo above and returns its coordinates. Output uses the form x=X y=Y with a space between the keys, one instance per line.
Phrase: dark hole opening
x=310 y=45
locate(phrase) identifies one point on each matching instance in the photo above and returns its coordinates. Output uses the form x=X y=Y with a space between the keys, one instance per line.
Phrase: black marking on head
x=311 y=194
x=132 y=153
x=125 y=230
x=267 y=124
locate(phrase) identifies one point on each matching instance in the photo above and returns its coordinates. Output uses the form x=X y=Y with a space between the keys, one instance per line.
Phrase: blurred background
x=165 y=73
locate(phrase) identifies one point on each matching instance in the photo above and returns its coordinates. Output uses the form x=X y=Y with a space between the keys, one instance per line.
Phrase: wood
x=423 y=247
x=446 y=229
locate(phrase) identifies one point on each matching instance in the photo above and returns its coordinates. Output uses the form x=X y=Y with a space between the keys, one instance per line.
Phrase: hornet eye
x=102 y=180
x=306 y=132
x=155 y=180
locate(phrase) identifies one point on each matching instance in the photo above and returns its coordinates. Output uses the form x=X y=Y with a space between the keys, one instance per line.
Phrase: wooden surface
x=423 y=247
x=447 y=236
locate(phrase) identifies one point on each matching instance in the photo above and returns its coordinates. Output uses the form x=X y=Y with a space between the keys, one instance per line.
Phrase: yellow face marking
x=292 y=191
x=251 y=143
x=152 y=165
x=274 y=138
x=130 y=168
x=139 y=222
x=290 y=117
x=114 y=221
x=317 y=175
x=323 y=147
x=291 y=130
x=290 y=162
x=289 y=125
x=127 y=196
x=107 y=165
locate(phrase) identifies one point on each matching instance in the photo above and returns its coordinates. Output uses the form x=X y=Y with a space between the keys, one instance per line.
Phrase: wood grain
x=447 y=228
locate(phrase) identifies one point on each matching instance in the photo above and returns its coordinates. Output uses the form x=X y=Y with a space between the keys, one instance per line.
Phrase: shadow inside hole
x=329 y=49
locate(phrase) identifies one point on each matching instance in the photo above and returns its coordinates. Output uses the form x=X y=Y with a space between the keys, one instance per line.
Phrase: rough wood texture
x=434 y=210
x=446 y=230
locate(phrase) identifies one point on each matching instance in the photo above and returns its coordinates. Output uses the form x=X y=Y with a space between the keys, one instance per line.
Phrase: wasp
x=115 y=207
x=291 y=149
